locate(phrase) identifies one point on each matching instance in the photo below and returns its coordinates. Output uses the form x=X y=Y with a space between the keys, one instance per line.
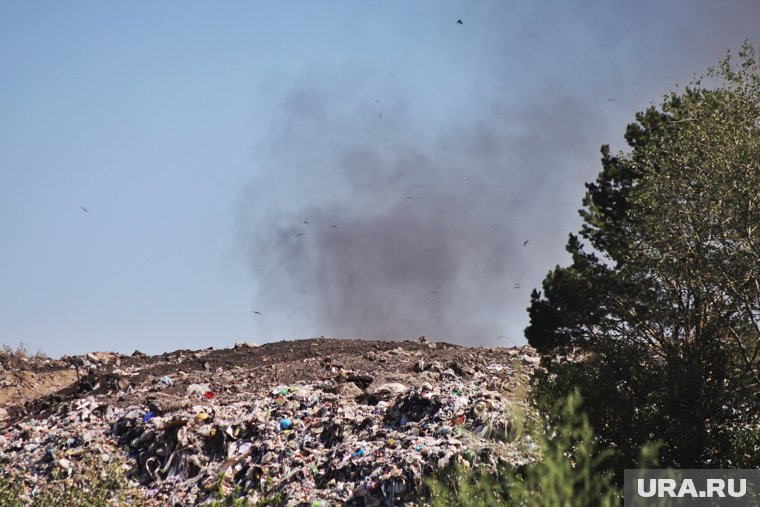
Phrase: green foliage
x=233 y=501
x=467 y=488
x=273 y=500
x=224 y=496
x=91 y=483
x=571 y=472
x=662 y=307
x=10 y=493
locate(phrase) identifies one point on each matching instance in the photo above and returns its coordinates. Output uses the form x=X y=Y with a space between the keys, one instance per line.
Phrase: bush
x=91 y=483
x=572 y=471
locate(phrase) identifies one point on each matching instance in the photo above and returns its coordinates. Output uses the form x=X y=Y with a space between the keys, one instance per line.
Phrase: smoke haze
x=422 y=153
x=418 y=211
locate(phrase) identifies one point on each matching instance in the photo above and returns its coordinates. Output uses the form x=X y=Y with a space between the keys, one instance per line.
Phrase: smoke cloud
x=408 y=231
x=387 y=217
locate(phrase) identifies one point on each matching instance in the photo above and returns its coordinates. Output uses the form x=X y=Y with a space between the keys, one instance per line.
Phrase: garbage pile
x=353 y=437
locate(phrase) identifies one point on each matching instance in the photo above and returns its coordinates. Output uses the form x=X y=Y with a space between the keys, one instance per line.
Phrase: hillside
x=310 y=422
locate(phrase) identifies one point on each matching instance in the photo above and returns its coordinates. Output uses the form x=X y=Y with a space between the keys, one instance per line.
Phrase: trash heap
x=352 y=439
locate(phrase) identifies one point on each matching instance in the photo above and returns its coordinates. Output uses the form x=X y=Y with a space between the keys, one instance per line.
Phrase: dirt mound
x=38 y=384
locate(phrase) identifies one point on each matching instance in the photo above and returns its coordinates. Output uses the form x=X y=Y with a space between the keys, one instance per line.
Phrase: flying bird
x=254 y=311
x=334 y=226
x=610 y=100
x=459 y=22
x=525 y=242
x=409 y=197
x=300 y=234
x=306 y=222
x=84 y=209
x=517 y=286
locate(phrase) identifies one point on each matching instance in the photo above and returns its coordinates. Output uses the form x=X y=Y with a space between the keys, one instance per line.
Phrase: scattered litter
x=332 y=436
x=194 y=390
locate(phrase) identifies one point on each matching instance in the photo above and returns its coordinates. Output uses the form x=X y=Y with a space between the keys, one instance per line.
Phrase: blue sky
x=200 y=136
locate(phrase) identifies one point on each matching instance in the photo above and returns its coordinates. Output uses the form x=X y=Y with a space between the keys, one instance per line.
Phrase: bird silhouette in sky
x=254 y=311
x=517 y=286
x=300 y=234
x=334 y=226
x=84 y=209
x=306 y=222
x=525 y=242
x=459 y=22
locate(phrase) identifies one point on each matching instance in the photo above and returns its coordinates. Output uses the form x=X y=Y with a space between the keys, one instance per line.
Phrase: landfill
x=312 y=422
